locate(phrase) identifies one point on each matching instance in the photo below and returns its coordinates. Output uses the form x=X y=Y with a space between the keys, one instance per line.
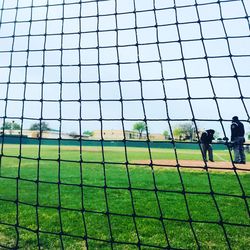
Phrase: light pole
x=11 y=126
x=192 y=131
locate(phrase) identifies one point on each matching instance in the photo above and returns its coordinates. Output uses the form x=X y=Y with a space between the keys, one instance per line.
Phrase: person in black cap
x=237 y=140
x=206 y=139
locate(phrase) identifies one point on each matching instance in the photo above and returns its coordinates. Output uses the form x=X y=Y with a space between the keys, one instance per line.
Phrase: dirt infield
x=199 y=165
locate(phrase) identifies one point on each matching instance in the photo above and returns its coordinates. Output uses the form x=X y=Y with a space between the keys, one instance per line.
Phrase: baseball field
x=116 y=198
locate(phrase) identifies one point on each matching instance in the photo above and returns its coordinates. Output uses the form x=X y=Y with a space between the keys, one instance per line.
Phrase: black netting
x=75 y=79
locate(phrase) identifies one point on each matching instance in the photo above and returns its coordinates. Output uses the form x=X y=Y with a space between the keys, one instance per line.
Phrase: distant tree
x=11 y=125
x=44 y=126
x=74 y=134
x=7 y=125
x=37 y=126
x=140 y=127
x=184 y=131
x=16 y=126
x=248 y=136
x=166 y=134
x=177 y=133
x=187 y=129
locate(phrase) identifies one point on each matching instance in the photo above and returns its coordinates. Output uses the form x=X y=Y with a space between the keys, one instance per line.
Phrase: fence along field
x=100 y=65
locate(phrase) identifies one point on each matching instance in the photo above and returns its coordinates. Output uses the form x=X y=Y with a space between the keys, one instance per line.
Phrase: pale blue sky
x=71 y=49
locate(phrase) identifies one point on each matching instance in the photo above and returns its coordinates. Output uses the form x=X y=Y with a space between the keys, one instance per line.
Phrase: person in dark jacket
x=206 y=139
x=237 y=140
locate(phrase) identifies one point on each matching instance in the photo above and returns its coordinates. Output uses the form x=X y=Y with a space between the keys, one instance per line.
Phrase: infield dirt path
x=199 y=165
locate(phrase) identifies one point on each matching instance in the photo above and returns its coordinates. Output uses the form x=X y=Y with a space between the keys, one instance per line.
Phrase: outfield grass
x=55 y=211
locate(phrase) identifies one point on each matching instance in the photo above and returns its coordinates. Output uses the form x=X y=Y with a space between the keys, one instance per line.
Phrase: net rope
x=91 y=65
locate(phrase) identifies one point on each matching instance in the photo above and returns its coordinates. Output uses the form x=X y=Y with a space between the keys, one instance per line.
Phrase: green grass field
x=57 y=202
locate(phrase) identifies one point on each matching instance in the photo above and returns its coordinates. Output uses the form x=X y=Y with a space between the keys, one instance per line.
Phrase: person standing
x=237 y=140
x=206 y=139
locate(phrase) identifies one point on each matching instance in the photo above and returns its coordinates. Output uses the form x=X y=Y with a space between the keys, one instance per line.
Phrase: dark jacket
x=206 y=137
x=237 y=130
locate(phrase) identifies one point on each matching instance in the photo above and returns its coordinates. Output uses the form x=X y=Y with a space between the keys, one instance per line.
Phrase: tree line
x=181 y=131
x=43 y=126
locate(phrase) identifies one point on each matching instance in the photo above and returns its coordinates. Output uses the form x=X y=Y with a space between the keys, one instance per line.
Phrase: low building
x=48 y=134
x=157 y=137
x=128 y=134
x=115 y=135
